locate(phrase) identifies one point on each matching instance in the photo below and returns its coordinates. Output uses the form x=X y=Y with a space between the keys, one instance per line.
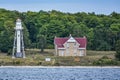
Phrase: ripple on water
x=59 y=73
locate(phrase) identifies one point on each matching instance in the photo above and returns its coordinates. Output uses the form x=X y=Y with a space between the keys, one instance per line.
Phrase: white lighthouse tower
x=18 y=47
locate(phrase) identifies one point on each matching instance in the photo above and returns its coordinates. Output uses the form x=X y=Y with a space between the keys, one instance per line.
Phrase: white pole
x=18 y=42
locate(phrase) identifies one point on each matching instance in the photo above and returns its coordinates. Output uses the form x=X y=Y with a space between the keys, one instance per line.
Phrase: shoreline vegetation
x=36 y=58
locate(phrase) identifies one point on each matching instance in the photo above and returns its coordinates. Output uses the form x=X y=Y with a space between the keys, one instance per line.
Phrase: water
x=59 y=73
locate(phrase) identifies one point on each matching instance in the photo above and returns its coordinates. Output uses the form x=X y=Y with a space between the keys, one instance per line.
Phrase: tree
x=118 y=50
x=41 y=42
x=100 y=39
x=41 y=38
x=54 y=28
x=6 y=40
x=26 y=36
x=115 y=30
x=80 y=30
x=90 y=36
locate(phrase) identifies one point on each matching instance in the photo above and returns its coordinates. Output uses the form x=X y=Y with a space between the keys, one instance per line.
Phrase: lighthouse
x=18 y=46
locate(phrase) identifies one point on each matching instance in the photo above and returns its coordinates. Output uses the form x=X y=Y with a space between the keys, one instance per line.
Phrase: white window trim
x=81 y=48
x=61 y=48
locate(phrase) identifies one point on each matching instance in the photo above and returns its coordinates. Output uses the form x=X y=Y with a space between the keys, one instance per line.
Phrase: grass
x=35 y=58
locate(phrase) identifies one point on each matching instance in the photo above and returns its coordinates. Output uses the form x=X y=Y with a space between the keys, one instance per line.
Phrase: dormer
x=71 y=39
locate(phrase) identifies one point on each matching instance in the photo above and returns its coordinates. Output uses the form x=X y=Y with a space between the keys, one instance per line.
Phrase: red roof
x=60 y=41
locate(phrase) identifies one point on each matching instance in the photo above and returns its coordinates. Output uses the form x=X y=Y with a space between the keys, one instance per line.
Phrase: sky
x=71 y=6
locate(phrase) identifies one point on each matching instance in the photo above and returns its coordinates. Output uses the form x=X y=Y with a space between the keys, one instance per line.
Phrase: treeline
x=40 y=28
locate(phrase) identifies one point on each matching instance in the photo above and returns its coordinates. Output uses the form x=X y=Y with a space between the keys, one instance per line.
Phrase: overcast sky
x=72 y=6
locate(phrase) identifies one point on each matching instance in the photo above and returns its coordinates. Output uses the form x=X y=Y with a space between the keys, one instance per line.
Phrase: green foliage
x=41 y=42
x=9 y=52
x=105 y=61
x=16 y=62
x=118 y=50
x=40 y=28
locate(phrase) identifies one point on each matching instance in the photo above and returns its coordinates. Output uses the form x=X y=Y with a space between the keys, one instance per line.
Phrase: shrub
x=9 y=52
x=39 y=63
x=50 y=46
x=1 y=63
x=16 y=62
x=57 y=64
x=105 y=57
x=105 y=61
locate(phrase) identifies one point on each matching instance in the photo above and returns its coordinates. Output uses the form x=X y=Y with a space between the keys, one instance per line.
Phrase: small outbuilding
x=70 y=46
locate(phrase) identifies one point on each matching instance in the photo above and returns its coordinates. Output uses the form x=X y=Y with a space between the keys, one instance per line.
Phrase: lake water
x=13 y=73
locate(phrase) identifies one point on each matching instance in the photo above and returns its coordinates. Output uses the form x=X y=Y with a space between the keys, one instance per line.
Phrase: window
x=67 y=45
x=67 y=52
x=75 y=45
x=62 y=53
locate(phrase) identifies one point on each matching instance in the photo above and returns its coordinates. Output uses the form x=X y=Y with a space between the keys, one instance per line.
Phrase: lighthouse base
x=19 y=55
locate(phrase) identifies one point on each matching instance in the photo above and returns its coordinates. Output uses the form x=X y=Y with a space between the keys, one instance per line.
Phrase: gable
x=71 y=39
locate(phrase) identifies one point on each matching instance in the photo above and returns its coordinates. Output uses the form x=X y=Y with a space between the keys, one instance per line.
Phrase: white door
x=81 y=53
